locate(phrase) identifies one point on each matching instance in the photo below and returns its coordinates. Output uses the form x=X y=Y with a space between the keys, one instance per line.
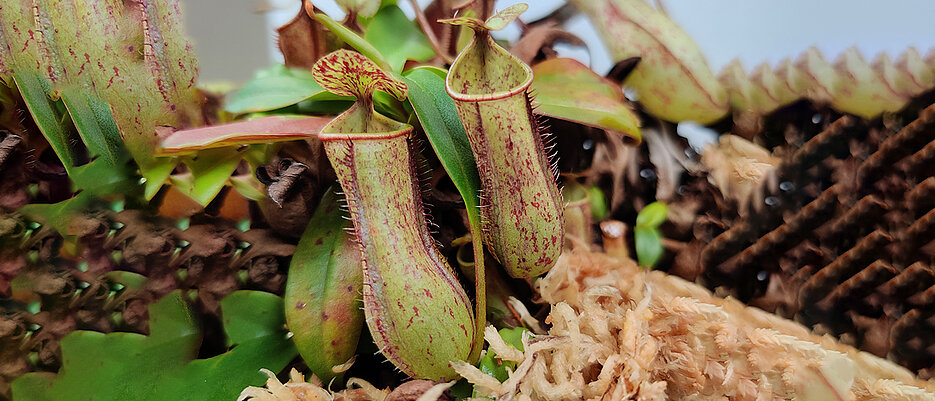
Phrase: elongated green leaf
x=278 y=87
x=398 y=38
x=50 y=121
x=261 y=130
x=439 y=118
x=323 y=306
x=566 y=89
x=96 y=126
x=106 y=175
x=129 y=366
x=358 y=43
x=156 y=175
x=648 y=245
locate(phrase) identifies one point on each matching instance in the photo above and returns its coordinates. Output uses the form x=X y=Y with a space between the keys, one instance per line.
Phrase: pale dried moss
x=297 y=389
x=622 y=334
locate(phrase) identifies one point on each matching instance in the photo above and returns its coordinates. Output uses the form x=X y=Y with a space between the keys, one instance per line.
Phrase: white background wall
x=235 y=37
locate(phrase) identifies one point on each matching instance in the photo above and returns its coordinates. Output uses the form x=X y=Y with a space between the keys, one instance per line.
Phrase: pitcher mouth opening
x=386 y=128
x=367 y=136
x=516 y=78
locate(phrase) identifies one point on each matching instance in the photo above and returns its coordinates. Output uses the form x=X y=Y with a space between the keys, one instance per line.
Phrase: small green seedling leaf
x=497 y=368
x=398 y=38
x=652 y=215
x=248 y=186
x=514 y=336
x=278 y=87
x=323 y=307
x=648 y=246
x=568 y=90
x=599 y=209
x=648 y=238
x=156 y=175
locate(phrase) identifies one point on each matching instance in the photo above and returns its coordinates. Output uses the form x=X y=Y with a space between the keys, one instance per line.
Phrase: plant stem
x=480 y=284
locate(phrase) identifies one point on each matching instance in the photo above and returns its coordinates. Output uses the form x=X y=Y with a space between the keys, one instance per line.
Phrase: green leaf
x=278 y=87
x=248 y=186
x=109 y=173
x=254 y=314
x=323 y=306
x=57 y=215
x=354 y=40
x=439 y=118
x=599 y=209
x=495 y=367
x=648 y=245
x=568 y=90
x=652 y=215
x=96 y=126
x=156 y=175
x=514 y=336
x=130 y=366
x=50 y=121
x=397 y=38
x=210 y=171
x=492 y=366
x=99 y=178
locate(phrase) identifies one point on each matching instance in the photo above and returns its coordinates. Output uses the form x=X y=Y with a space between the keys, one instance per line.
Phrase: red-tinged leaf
x=261 y=130
x=302 y=40
x=568 y=90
